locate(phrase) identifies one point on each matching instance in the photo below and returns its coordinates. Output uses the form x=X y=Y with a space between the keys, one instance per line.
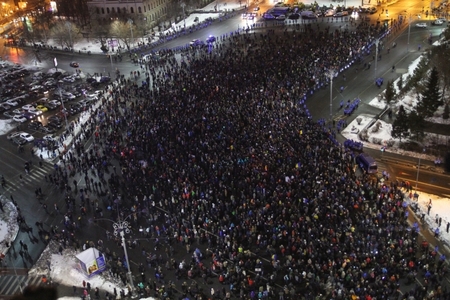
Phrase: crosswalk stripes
x=10 y=284
x=34 y=177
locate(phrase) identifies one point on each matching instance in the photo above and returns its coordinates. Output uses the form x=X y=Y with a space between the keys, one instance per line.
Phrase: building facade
x=151 y=11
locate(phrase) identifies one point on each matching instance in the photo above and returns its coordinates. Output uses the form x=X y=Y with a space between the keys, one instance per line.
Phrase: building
x=148 y=10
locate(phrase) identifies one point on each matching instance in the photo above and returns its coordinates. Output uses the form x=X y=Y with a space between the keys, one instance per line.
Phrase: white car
x=35 y=111
x=55 y=102
x=49 y=137
x=27 y=107
x=13 y=135
x=20 y=119
x=421 y=25
x=12 y=102
x=68 y=95
x=36 y=87
x=26 y=136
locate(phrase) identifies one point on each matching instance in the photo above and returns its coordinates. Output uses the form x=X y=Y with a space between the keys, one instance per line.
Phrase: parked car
x=42 y=108
x=8 y=114
x=55 y=125
x=35 y=111
x=27 y=107
x=437 y=22
x=421 y=25
x=28 y=115
x=47 y=129
x=13 y=135
x=50 y=106
x=5 y=106
x=55 y=118
x=19 y=141
x=28 y=137
x=20 y=118
x=55 y=102
x=35 y=125
x=12 y=102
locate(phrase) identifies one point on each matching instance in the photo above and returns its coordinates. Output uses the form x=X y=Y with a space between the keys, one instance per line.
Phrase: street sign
x=113 y=43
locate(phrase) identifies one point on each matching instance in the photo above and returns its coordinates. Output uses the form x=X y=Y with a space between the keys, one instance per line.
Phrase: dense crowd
x=218 y=149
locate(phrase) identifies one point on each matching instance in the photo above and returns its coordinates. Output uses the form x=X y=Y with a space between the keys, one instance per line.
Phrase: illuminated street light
x=331 y=73
x=183 y=5
x=377 y=41
x=418 y=169
x=120 y=228
x=131 y=29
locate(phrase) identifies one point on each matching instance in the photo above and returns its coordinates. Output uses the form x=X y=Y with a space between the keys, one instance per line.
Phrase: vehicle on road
x=256 y=8
x=197 y=43
x=367 y=163
x=20 y=119
x=281 y=17
x=421 y=25
x=26 y=136
x=211 y=39
x=74 y=64
x=437 y=22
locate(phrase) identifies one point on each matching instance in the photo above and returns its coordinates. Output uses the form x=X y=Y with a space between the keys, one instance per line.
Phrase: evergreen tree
x=389 y=94
x=431 y=96
x=400 y=127
x=446 y=113
x=416 y=124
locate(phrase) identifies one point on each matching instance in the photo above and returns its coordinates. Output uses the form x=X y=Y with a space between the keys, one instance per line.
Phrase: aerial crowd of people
x=216 y=154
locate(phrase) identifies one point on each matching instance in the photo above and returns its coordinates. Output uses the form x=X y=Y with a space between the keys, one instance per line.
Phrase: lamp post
x=183 y=5
x=331 y=73
x=131 y=29
x=55 y=61
x=377 y=41
x=120 y=228
x=409 y=31
x=69 y=27
x=418 y=169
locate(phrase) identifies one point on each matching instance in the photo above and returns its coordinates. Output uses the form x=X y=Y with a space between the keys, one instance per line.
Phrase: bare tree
x=65 y=33
x=123 y=31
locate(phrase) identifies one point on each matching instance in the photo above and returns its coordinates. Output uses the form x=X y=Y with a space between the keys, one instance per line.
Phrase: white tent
x=91 y=261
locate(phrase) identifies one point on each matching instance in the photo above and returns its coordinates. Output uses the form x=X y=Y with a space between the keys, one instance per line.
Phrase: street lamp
x=131 y=29
x=183 y=5
x=55 y=61
x=418 y=169
x=69 y=27
x=377 y=41
x=331 y=73
x=409 y=31
x=120 y=228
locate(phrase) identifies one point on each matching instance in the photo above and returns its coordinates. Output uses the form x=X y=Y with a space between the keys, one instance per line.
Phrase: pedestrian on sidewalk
x=74 y=289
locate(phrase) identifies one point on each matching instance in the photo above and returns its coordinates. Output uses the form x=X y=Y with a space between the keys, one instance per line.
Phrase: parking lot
x=38 y=103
